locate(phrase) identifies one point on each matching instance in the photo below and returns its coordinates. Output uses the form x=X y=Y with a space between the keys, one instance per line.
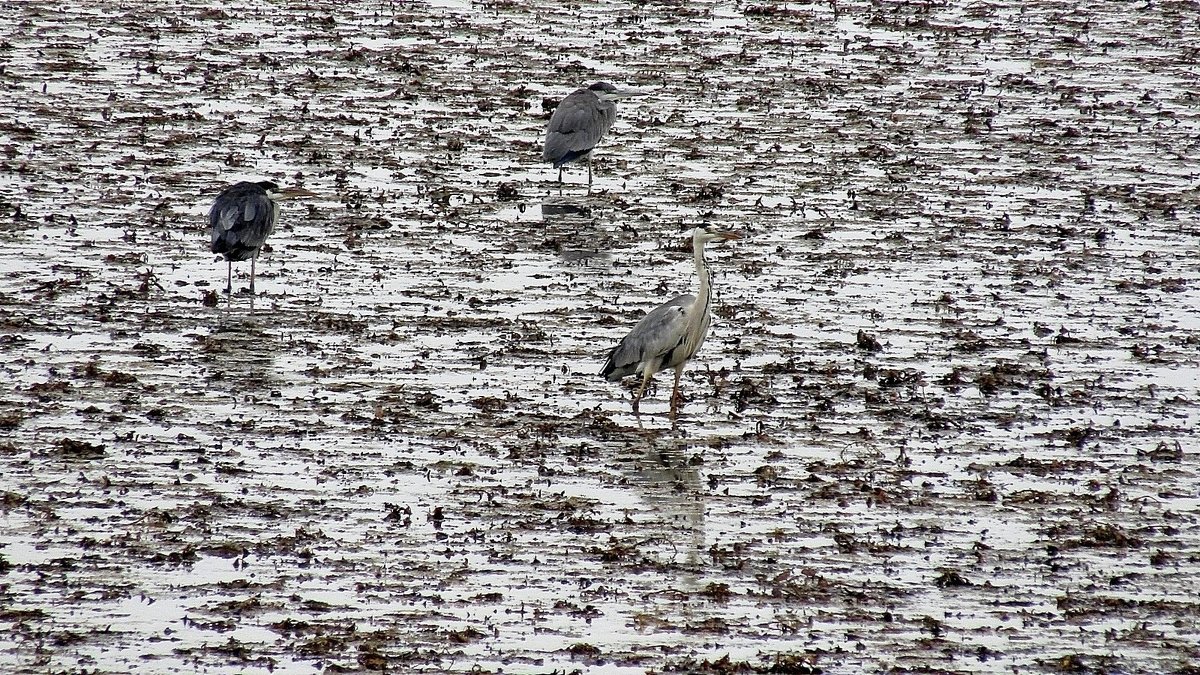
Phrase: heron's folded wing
x=659 y=332
x=222 y=218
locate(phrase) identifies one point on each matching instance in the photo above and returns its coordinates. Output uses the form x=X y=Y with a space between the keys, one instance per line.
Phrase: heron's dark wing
x=651 y=341
x=241 y=218
x=577 y=125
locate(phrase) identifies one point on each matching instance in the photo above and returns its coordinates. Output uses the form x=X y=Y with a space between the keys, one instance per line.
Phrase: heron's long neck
x=705 y=294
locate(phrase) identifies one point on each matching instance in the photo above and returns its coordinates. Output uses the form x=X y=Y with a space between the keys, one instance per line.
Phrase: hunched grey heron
x=578 y=124
x=242 y=217
x=670 y=334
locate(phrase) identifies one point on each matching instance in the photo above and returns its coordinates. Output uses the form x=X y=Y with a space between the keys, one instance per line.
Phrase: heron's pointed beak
x=294 y=192
x=625 y=93
x=729 y=236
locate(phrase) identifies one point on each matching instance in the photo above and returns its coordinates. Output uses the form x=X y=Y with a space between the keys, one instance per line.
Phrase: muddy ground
x=944 y=422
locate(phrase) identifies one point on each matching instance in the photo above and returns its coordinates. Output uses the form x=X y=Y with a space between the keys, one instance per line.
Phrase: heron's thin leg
x=676 y=397
x=229 y=277
x=589 y=169
x=642 y=389
x=560 y=170
x=253 y=259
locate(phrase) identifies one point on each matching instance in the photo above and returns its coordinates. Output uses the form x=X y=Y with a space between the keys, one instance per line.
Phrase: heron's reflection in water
x=667 y=476
x=567 y=221
x=563 y=210
x=240 y=353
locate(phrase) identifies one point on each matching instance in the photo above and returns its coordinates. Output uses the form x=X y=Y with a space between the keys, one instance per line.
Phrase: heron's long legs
x=229 y=277
x=642 y=389
x=676 y=397
x=589 y=161
x=253 y=259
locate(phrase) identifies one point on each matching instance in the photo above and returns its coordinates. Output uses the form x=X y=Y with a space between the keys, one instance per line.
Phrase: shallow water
x=944 y=421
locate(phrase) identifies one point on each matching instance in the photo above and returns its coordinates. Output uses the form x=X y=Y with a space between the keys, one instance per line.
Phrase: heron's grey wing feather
x=222 y=218
x=577 y=125
x=241 y=220
x=654 y=337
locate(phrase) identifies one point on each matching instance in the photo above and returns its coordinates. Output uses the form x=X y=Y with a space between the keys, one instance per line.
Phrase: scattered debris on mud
x=944 y=422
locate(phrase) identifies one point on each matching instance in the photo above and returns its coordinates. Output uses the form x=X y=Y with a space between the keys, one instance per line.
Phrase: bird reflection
x=241 y=352
x=668 y=478
x=568 y=221
x=564 y=212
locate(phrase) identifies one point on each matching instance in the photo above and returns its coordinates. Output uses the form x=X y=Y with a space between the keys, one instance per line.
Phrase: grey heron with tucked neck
x=242 y=217
x=670 y=334
x=578 y=124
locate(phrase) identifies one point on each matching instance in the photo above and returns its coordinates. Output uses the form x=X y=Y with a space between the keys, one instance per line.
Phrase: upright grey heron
x=670 y=334
x=578 y=124
x=242 y=217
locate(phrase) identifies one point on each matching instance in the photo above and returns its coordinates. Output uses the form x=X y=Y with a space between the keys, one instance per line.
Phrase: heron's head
x=705 y=234
x=281 y=193
x=607 y=92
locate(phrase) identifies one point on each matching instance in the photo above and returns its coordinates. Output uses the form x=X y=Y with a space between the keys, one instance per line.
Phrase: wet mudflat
x=944 y=422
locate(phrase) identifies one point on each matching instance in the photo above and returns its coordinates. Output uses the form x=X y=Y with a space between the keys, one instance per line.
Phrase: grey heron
x=242 y=217
x=670 y=334
x=578 y=124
